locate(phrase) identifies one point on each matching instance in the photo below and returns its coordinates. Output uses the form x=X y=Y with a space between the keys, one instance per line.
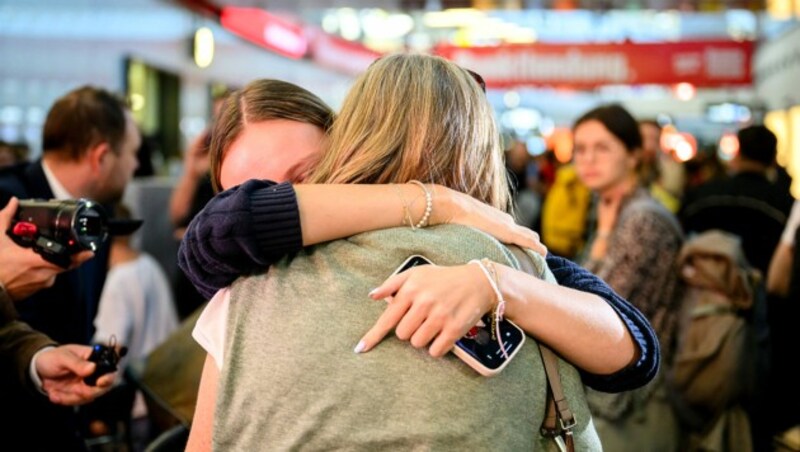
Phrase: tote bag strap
x=559 y=420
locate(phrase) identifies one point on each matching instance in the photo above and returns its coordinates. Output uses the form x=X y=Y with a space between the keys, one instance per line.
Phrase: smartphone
x=479 y=348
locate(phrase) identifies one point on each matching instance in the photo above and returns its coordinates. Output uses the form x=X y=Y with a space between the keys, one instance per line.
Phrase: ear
x=97 y=156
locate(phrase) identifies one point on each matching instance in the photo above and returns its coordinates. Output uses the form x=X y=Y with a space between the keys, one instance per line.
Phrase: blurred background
x=699 y=70
x=705 y=66
x=702 y=69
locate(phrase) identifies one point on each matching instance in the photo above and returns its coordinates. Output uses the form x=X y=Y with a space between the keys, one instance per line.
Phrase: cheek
x=228 y=176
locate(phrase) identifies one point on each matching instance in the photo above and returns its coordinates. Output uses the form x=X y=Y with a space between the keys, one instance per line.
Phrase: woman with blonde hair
x=286 y=377
x=273 y=130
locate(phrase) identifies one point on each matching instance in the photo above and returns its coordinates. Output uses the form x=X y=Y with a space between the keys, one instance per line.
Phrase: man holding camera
x=30 y=359
x=89 y=151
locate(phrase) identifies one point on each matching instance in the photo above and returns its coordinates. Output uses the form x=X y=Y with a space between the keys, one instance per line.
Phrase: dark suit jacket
x=65 y=312
x=18 y=344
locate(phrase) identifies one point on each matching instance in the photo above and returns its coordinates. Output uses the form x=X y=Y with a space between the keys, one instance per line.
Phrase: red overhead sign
x=702 y=63
x=339 y=54
x=266 y=30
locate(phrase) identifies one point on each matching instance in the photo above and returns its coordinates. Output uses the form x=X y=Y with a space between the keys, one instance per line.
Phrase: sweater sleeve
x=18 y=343
x=241 y=230
x=637 y=374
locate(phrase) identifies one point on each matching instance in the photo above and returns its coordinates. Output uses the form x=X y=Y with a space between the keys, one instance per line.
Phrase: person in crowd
x=89 y=151
x=747 y=203
x=783 y=286
x=524 y=181
x=7 y=157
x=633 y=245
x=659 y=172
x=136 y=308
x=189 y=196
x=565 y=212
x=30 y=361
x=751 y=206
x=779 y=276
x=649 y=168
x=461 y=126
x=284 y=129
x=13 y=153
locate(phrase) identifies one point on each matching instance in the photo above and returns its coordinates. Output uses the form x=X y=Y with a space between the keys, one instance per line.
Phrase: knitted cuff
x=276 y=220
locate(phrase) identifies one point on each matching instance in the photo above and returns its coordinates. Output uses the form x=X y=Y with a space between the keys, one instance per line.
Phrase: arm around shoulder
x=240 y=230
x=643 y=369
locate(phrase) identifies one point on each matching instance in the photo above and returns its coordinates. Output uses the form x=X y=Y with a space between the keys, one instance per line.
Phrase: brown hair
x=82 y=119
x=263 y=100
x=417 y=117
x=618 y=121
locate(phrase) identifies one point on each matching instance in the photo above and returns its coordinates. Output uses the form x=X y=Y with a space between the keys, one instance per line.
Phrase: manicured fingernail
x=372 y=292
x=360 y=347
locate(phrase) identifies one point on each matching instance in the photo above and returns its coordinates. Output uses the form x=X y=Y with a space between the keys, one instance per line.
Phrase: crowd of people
x=291 y=219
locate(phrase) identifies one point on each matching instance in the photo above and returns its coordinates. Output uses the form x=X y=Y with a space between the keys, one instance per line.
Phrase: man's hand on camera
x=62 y=370
x=23 y=271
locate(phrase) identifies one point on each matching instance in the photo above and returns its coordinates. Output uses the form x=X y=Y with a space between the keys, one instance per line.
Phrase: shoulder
x=645 y=212
x=446 y=244
x=13 y=182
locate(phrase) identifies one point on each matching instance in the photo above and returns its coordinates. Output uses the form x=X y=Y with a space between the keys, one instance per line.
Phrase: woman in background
x=633 y=246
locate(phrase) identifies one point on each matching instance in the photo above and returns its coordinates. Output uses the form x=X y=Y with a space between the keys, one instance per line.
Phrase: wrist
x=443 y=205
x=513 y=302
x=7 y=310
x=34 y=371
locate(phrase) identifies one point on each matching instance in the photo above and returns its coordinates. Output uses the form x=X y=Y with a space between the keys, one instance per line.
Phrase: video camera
x=57 y=229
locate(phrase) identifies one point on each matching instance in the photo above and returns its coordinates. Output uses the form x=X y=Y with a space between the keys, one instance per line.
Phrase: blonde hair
x=417 y=117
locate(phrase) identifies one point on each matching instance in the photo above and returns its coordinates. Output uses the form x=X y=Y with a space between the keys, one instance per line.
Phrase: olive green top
x=291 y=380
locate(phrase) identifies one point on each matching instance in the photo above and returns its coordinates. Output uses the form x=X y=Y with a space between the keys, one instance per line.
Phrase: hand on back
x=432 y=305
x=465 y=210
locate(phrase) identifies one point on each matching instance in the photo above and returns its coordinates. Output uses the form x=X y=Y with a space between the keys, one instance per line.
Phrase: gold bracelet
x=406 y=210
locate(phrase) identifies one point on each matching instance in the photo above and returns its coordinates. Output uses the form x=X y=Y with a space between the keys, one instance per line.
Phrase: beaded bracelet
x=499 y=309
x=428 y=205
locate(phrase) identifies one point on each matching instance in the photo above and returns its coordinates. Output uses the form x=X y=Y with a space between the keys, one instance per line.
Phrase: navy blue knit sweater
x=248 y=227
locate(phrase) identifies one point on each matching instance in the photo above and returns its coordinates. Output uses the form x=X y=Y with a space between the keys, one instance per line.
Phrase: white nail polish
x=372 y=292
x=360 y=347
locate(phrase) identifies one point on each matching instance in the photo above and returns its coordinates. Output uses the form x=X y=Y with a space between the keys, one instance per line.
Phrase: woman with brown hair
x=634 y=245
x=287 y=377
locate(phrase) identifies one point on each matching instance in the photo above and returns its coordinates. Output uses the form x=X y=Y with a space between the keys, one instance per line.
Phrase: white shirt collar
x=59 y=192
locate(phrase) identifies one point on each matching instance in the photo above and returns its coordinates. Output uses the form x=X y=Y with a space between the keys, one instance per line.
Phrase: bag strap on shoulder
x=559 y=421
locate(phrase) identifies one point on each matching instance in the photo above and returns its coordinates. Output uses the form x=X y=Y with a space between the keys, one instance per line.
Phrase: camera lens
x=90 y=227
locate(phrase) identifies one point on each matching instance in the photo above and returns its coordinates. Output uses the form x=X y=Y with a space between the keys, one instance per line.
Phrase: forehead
x=267 y=149
x=592 y=128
